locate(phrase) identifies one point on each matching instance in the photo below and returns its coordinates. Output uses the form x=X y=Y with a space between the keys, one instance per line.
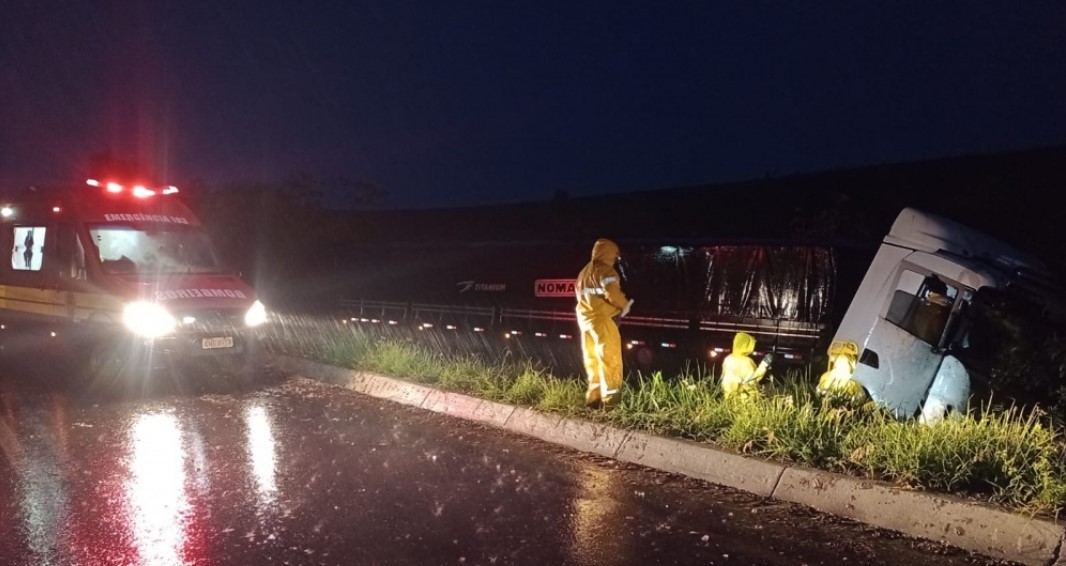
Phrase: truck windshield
x=125 y=248
x=1005 y=342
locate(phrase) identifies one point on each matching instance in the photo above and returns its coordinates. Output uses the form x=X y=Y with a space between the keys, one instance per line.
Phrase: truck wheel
x=645 y=358
x=950 y=390
x=933 y=411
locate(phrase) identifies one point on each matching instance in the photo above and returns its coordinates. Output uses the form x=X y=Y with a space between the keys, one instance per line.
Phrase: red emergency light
x=138 y=191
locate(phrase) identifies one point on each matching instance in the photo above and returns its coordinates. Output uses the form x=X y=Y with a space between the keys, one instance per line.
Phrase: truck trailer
x=691 y=296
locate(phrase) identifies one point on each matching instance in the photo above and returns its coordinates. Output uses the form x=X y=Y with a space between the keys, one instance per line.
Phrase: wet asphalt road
x=302 y=473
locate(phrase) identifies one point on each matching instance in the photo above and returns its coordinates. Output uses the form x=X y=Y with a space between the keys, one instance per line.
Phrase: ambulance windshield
x=136 y=249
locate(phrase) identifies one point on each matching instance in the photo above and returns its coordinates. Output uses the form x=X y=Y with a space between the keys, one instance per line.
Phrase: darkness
x=1005 y=195
x=478 y=103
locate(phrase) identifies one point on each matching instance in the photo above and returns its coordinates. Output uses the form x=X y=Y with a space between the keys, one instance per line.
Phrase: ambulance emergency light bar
x=139 y=191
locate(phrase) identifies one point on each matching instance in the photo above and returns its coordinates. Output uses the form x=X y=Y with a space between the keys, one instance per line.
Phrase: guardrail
x=796 y=341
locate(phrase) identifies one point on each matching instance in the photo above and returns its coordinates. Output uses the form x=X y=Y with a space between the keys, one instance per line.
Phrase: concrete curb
x=702 y=461
x=470 y=408
x=985 y=529
x=581 y=435
x=938 y=517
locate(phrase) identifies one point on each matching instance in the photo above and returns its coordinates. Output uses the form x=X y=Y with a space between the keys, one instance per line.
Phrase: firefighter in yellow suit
x=599 y=300
x=837 y=383
x=740 y=375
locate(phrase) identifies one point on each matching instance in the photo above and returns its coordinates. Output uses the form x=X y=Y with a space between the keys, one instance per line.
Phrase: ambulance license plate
x=218 y=342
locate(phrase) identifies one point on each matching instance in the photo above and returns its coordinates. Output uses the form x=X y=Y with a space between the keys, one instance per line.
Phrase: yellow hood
x=605 y=251
x=743 y=344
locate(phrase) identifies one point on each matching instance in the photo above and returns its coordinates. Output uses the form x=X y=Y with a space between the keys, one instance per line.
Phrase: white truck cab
x=907 y=324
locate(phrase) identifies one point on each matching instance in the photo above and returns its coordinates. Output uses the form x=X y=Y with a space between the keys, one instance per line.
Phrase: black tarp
x=734 y=282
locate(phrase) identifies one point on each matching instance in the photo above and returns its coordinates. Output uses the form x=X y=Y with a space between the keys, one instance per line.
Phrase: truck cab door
x=907 y=343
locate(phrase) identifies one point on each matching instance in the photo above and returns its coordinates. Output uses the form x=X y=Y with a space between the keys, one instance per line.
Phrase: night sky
x=466 y=103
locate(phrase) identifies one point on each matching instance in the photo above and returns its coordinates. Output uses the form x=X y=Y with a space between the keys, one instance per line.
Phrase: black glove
x=768 y=359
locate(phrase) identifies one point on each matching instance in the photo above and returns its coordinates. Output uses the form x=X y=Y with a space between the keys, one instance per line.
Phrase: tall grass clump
x=468 y=374
x=1011 y=455
x=780 y=427
x=565 y=396
x=313 y=337
x=690 y=406
x=527 y=388
x=404 y=360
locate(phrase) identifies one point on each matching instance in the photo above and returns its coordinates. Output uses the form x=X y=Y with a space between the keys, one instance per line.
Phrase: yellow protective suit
x=837 y=382
x=740 y=374
x=599 y=300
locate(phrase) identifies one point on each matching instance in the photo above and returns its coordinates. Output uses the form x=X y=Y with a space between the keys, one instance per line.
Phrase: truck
x=122 y=276
x=929 y=319
x=915 y=335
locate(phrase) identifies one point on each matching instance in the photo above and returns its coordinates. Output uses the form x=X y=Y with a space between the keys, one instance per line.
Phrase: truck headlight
x=147 y=319
x=256 y=315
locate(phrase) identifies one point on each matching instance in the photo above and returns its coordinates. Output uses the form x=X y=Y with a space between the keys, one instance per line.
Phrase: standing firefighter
x=599 y=300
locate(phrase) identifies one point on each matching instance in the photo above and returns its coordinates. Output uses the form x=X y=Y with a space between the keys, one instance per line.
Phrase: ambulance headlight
x=150 y=320
x=256 y=315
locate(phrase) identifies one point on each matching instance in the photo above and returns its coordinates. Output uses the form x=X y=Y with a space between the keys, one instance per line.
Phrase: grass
x=1007 y=456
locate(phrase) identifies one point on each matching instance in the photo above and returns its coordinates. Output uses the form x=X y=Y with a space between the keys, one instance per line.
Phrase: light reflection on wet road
x=301 y=473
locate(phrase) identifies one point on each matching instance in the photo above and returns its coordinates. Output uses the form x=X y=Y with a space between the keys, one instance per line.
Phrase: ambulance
x=124 y=277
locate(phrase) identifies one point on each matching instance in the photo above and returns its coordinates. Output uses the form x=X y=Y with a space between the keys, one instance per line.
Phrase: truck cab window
x=922 y=306
x=28 y=252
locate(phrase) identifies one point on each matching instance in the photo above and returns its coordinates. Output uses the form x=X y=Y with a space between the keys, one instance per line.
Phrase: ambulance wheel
x=106 y=370
x=238 y=373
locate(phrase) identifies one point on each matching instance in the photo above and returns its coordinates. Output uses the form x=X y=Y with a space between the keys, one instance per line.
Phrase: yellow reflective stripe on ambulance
x=51 y=302
x=87 y=304
x=29 y=300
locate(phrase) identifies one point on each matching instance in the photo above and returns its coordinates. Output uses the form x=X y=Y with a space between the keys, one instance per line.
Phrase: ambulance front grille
x=211 y=321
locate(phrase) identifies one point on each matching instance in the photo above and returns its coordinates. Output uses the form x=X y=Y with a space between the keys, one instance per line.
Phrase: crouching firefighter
x=836 y=383
x=599 y=300
x=740 y=375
